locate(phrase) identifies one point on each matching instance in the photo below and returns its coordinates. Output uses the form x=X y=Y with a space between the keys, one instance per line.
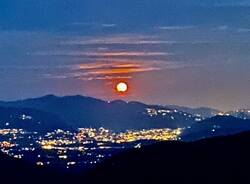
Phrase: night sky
x=193 y=53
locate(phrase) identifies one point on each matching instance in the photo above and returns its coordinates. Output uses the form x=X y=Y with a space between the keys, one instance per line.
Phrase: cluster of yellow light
x=6 y=144
x=101 y=135
x=10 y=131
x=59 y=144
x=129 y=136
x=153 y=134
x=48 y=147
x=49 y=144
x=88 y=135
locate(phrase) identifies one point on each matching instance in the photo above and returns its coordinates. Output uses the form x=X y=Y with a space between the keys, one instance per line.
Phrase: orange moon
x=122 y=87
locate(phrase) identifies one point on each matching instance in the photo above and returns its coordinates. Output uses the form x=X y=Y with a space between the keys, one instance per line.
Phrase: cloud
x=93 y=25
x=174 y=28
x=233 y=3
x=108 y=25
x=114 y=69
x=243 y=30
x=96 y=58
x=222 y=28
x=121 y=70
x=105 y=78
x=132 y=39
x=105 y=43
x=102 y=54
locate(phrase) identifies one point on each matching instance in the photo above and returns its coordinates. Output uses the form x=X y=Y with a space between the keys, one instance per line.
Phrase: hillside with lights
x=76 y=133
x=215 y=160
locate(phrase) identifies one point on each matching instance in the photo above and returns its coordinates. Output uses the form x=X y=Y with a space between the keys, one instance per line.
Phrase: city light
x=81 y=148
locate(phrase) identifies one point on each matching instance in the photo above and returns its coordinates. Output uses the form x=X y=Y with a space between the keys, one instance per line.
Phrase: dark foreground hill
x=219 y=160
x=15 y=171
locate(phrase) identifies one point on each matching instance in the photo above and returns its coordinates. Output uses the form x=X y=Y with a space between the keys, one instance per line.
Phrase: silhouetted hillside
x=30 y=120
x=216 y=126
x=80 y=111
x=241 y=113
x=204 y=112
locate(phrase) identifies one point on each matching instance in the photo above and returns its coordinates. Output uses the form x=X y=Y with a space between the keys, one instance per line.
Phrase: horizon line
x=110 y=101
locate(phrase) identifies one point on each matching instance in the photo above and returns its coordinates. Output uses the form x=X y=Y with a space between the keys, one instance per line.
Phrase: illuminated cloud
x=104 y=78
x=114 y=69
x=102 y=54
x=131 y=39
x=124 y=41
x=121 y=70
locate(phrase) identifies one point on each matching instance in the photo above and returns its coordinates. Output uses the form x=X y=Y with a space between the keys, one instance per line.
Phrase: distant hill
x=204 y=112
x=216 y=126
x=52 y=112
x=80 y=111
x=217 y=160
x=30 y=120
x=241 y=113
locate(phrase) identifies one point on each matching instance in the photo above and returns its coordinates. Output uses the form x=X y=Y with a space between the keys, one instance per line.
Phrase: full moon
x=122 y=87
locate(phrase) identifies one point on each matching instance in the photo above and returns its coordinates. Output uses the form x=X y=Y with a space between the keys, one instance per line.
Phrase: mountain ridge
x=80 y=111
x=30 y=120
x=216 y=126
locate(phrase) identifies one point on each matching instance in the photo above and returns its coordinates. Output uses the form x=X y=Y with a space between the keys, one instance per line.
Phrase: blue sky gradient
x=193 y=53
